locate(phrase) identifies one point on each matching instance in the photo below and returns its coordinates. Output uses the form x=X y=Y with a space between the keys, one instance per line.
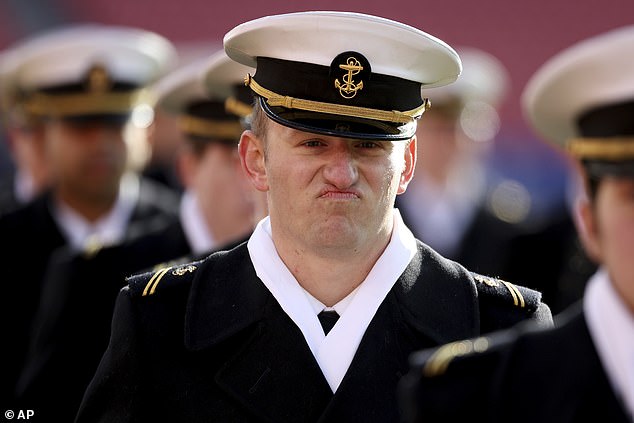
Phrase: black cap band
x=607 y=143
x=614 y=120
x=314 y=82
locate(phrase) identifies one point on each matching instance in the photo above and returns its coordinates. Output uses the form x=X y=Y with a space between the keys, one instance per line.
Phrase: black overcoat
x=206 y=342
x=31 y=236
x=520 y=375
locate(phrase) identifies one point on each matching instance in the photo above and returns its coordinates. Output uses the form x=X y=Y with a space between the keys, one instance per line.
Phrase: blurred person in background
x=84 y=85
x=29 y=172
x=446 y=204
x=217 y=204
x=459 y=204
x=164 y=134
x=72 y=326
x=582 y=101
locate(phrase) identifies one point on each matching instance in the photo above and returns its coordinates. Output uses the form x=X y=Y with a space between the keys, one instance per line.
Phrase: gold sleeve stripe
x=440 y=360
x=518 y=298
x=274 y=99
x=613 y=148
x=154 y=280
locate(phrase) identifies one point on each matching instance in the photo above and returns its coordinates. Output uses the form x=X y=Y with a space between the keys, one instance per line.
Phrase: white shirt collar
x=24 y=186
x=440 y=215
x=340 y=307
x=334 y=352
x=611 y=327
x=109 y=229
x=194 y=225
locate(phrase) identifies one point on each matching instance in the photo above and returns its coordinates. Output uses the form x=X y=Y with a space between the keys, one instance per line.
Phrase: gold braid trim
x=154 y=280
x=205 y=128
x=62 y=105
x=238 y=108
x=274 y=99
x=443 y=356
x=518 y=298
x=613 y=148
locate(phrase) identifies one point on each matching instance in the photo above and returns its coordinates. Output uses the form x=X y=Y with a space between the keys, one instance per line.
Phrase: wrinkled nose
x=341 y=170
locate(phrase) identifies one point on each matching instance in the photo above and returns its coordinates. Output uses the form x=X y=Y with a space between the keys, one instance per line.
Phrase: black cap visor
x=338 y=125
x=601 y=168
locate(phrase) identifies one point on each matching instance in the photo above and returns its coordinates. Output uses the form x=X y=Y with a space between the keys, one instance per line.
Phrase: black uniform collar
x=432 y=292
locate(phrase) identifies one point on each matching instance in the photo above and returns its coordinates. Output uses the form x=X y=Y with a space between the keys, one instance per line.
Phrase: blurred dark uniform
x=72 y=326
x=460 y=206
x=8 y=198
x=525 y=375
x=85 y=92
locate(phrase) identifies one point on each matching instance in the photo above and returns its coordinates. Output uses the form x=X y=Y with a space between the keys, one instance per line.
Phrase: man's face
x=437 y=145
x=29 y=153
x=609 y=223
x=216 y=177
x=88 y=158
x=332 y=194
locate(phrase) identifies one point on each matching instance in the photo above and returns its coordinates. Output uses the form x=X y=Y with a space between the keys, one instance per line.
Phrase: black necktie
x=328 y=318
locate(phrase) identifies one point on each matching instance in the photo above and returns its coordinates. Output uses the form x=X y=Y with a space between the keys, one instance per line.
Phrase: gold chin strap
x=205 y=128
x=274 y=99
x=63 y=105
x=613 y=148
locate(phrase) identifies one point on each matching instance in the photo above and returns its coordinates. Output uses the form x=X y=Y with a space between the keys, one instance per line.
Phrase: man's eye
x=312 y=143
x=368 y=144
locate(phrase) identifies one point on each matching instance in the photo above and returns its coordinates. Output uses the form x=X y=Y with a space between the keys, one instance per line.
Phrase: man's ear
x=410 y=164
x=186 y=168
x=251 y=149
x=588 y=230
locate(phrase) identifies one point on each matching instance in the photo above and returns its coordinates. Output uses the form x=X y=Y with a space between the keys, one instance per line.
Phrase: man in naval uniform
x=313 y=319
x=583 y=100
x=84 y=87
x=29 y=173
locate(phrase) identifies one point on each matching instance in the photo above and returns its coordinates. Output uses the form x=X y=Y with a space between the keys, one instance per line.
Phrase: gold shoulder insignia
x=443 y=356
x=485 y=280
x=150 y=287
x=518 y=298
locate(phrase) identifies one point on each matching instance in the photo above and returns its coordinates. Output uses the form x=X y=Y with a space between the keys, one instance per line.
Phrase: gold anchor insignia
x=485 y=280
x=182 y=270
x=349 y=87
x=98 y=79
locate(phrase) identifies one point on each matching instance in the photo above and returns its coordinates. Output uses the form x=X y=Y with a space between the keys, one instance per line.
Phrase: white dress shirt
x=611 y=326
x=23 y=186
x=334 y=352
x=440 y=215
x=110 y=229
x=194 y=225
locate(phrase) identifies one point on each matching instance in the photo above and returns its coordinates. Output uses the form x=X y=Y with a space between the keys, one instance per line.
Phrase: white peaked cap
x=65 y=55
x=595 y=72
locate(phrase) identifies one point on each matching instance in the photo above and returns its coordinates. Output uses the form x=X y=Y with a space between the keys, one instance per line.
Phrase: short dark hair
x=258 y=121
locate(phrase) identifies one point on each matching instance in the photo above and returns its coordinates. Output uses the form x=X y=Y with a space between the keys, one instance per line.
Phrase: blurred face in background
x=29 y=155
x=608 y=221
x=88 y=158
x=438 y=144
x=212 y=170
x=451 y=134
